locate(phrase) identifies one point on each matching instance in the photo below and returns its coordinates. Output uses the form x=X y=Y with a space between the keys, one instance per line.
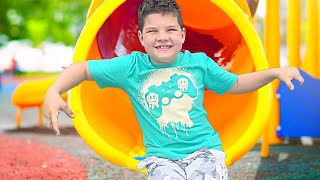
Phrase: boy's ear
x=183 y=35
x=140 y=37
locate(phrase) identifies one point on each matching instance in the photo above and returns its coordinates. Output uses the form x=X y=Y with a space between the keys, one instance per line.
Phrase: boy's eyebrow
x=173 y=26
x=150 y=28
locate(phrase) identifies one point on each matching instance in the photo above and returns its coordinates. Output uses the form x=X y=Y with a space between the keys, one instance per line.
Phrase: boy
x=166 y=88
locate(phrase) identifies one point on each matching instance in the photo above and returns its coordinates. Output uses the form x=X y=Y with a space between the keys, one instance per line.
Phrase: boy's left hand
x=286 y=74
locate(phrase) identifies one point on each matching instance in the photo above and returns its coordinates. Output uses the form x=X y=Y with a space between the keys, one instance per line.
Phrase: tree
x=37 y=20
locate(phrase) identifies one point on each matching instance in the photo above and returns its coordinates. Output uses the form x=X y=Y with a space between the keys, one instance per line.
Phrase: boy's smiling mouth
x=163 y=47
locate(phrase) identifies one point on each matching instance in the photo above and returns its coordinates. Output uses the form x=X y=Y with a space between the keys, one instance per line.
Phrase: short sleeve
x=219 y=80
x=110 y=72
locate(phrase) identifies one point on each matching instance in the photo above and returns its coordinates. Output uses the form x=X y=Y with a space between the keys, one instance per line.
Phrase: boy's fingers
x=46 y=115
x=54 y=123
x=300 y=79
x=289 y=84
x=68 y=111
x=48 y=120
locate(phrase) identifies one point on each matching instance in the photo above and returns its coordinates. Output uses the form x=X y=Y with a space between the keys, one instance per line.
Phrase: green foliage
x=38 y=20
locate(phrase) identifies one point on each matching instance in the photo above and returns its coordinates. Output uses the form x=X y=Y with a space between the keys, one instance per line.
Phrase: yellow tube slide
x=105 y=118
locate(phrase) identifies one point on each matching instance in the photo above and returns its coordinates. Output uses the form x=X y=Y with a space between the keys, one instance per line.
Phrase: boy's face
x=162 y=37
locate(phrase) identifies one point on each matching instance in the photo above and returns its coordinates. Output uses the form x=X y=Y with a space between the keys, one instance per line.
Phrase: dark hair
x=158 y=6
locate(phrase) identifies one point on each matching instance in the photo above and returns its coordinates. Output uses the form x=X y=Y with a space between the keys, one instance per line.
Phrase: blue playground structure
x=300 y=109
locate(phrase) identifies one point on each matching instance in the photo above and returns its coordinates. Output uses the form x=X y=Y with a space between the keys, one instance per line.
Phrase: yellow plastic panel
x=105 y=118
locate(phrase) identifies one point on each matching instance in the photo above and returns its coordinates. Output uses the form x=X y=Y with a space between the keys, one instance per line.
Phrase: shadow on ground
x=292 y=160
x=43 y=130
x=289 y=160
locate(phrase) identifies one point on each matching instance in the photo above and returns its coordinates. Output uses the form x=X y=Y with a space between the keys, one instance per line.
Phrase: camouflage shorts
x=203 y=164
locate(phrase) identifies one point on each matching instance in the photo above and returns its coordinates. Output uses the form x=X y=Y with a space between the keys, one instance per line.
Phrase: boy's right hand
x=52 y=105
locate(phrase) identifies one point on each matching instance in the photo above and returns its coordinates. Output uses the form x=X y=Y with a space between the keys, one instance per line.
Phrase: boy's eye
x=172 y=30
x=151 y=31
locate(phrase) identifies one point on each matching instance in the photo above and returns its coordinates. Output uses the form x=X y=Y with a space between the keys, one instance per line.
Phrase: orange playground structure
x=30 y=94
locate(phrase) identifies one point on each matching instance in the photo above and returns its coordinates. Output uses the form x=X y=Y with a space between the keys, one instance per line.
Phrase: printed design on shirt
x=168 y=95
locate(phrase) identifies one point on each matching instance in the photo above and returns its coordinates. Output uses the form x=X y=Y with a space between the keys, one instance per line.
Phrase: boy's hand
x=52 y=105
x=287 y=74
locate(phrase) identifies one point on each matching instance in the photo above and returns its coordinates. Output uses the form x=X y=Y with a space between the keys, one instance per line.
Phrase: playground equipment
x=306 y=100
x=286 y=114
x=272 y=51
x=105 y=118
x=30 y=94
x=299 y=110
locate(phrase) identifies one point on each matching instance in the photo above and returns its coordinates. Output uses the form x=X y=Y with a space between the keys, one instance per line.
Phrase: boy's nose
x=162 y=36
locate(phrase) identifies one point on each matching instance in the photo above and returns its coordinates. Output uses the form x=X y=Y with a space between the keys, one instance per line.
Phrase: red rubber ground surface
x=23 y=159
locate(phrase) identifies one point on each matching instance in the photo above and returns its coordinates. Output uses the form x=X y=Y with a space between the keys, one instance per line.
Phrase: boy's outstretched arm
x=53 y=102
x=252 y=81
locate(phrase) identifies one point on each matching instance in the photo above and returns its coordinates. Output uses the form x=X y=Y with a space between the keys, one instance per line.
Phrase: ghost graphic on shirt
x=168 y=95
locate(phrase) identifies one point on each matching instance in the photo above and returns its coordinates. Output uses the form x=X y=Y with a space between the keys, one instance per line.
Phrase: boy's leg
x=204 y=165
x=160 y=168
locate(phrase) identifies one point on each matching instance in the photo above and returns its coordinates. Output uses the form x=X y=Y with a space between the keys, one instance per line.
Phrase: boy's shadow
x=291 y=160
x=44 y=130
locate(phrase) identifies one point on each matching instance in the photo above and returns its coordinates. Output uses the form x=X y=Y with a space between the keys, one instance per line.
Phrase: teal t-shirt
x=168 y=99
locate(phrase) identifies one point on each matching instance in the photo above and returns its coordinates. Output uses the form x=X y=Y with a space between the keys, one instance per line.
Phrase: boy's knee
x=207 y=168
x=165 y=171
x=159 y=174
